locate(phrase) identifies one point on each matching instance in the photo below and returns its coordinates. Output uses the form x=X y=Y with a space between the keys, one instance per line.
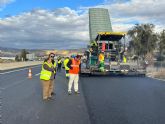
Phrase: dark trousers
x=59 y=67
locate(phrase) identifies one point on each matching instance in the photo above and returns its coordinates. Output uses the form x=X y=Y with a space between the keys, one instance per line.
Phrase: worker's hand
x=52 y=67
x=71 y=68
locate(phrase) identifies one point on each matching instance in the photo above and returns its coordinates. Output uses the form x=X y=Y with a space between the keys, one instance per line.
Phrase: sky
x=63 y=24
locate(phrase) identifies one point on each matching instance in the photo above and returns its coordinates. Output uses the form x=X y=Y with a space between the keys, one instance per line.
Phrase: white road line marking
x=37 y=74
x=12 y=71
x=17 y=70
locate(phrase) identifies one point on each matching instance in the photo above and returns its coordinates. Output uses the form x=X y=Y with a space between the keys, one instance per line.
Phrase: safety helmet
x=73 y=56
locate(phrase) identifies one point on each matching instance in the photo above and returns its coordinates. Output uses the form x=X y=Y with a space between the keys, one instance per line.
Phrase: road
x=103 y=100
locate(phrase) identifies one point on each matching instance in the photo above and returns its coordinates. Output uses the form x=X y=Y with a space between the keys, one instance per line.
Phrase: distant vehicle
x=109 y=43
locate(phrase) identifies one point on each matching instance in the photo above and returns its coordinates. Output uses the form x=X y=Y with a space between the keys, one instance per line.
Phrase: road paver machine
x=111 y=46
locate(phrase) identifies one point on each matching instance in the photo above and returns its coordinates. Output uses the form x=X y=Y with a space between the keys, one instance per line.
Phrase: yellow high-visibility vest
x=65 y=64
x=45 y=74
x=124 y=59
x=59 y=61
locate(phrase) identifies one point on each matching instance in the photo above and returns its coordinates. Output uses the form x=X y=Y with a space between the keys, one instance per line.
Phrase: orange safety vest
x=75 y=67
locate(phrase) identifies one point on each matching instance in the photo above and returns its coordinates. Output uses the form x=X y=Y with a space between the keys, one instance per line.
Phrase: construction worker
x=74 y=68
x=94 y=48
x=101 y=62
x=66 y=68
x=101 y=56
x=124 y=59
x=59 y=64
x=47 y=76
x=93 y=43
x=121 y=54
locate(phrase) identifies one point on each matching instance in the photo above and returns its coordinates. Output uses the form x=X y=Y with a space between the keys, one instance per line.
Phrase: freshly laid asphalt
x=103 y=100
x=125 y=100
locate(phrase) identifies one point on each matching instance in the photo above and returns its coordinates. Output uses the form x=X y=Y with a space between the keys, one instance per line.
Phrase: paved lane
x=124 y=100
x=22 y=102
x=11 y=77
x=103 y=100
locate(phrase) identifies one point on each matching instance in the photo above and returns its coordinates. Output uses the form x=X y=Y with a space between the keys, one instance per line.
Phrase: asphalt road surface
x=103 y=100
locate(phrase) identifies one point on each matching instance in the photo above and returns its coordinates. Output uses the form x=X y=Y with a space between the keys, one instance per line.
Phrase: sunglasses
x=52 y=56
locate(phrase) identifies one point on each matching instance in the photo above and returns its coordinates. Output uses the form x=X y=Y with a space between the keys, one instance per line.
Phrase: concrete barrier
x=6 y=66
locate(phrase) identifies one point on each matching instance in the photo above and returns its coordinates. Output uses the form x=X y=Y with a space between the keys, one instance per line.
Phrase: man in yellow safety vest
x=59 y=64
x=66 y=67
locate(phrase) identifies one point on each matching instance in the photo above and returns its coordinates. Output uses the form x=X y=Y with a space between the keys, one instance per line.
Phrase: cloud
x=3 y=3
x=57 y=29
x=130 y=12
x=66 y=28
x=126 y=14
x=148 y=9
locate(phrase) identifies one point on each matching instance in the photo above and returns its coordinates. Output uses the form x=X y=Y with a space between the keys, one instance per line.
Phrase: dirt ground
x=159 y=74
